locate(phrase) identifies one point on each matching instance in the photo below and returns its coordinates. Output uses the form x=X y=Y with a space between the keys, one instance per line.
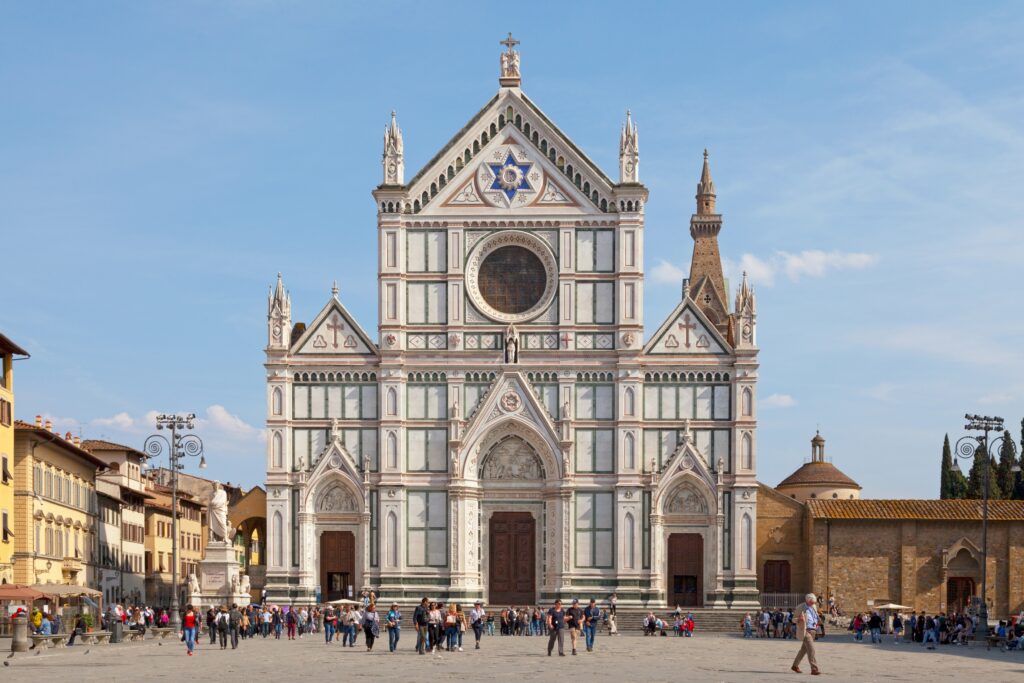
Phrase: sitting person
x=650 y=624
x=688 y=625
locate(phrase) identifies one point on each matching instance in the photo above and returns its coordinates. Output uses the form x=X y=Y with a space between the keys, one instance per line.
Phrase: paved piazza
x=626 y=659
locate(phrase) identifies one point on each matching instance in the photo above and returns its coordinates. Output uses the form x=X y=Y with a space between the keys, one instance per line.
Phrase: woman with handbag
x=371 y=625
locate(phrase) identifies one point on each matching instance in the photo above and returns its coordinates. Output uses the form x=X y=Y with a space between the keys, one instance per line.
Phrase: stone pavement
x=625 y=659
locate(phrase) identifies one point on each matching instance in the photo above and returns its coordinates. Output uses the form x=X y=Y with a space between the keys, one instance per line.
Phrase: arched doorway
x=510 y=474
x=962 y=573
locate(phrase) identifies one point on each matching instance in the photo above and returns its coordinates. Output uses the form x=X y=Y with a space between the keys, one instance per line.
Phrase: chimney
x=39 y=420
x=49 y=425
x=78 y=441
x=68 y=437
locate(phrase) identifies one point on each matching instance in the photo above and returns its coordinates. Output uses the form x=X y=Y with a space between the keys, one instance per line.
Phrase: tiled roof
x=59 y=441
x=819 y=474
x=101 y=445
x=10 y=347
x=943 y=510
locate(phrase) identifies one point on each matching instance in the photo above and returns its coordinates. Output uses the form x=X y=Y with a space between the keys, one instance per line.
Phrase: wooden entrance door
x=959 y=591
x=686 y=570
x=337 y=564
x=511 y=575
x=776 y=576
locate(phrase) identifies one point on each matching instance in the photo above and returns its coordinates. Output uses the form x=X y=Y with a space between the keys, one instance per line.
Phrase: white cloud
x=884 y=391
x=808 y=263
x=666 y=273
x=222 y=423
x=777 y=401
x=121 y=421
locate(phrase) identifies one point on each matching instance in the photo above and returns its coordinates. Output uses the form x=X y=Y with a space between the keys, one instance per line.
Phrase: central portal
x=337 y=564
x=511 y=579
x=686 y=570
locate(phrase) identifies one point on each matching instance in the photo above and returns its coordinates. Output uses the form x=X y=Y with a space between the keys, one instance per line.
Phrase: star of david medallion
x=511 y=402
x=510 y=177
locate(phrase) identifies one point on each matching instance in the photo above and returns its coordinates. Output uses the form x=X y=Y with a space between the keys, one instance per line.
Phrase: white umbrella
x=892 y=606
x=345 y=601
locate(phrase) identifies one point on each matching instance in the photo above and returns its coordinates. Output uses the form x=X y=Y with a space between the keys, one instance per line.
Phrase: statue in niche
x=512 y=459
x=512 y=345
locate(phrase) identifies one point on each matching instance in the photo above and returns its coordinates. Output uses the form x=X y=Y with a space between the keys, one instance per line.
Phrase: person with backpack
x=234 y=623
x=222 y=626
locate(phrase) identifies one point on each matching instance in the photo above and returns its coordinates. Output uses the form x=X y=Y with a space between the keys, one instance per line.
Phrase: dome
x=819 y=474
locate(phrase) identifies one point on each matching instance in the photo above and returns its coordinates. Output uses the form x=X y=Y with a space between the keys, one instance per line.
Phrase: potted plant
x=87 y=618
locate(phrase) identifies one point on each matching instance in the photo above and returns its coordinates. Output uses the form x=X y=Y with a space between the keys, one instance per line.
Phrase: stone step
x=630 y=619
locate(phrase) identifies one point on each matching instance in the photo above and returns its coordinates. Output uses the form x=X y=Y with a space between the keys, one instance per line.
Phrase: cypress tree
x=946 y=484
x=976 y=477
x=1004 y=471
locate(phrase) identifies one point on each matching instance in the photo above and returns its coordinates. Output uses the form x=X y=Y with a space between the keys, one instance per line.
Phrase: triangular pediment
x=687 y=331
x=335 y=466
x=461 y=175
x=334 y=332
x=512 y=403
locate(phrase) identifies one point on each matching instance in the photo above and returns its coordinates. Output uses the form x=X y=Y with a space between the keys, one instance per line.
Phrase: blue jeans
x=328 y=631
x=589 y=631
x=747 y=633
x=876 y=635
x=190 y=639
x=451 y=633
x=421 y=639
x=277 y=631
x=351 y=634
x=393 y=634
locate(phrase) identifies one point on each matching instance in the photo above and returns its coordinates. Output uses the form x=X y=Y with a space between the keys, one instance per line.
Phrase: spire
x=510 y=76
x=394 y=157
x=818 y=447
x=279 y=316
x=705 y=190
x=334 y=289
x=745 y=301
x=629 y=152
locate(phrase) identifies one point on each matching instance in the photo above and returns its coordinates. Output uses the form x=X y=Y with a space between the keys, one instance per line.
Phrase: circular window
x=512 y=279
x=511 y=276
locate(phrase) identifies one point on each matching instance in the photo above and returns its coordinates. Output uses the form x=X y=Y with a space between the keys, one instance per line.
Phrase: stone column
x=658 y=556
x=309 y=546
x=19 y=634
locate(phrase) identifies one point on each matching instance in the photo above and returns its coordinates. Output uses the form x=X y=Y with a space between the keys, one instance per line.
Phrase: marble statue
x=219 y=514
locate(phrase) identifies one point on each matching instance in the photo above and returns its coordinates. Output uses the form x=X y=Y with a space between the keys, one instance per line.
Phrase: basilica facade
x=511 y=433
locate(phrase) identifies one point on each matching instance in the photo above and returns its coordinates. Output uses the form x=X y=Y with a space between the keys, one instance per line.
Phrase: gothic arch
x=629 y=451
x=392 y=402
x=511 y=458
x=688 y=494
x=335 y=468
x=964 y=545
x=491 y=434
x=747 y=451
x=277 y=450
x=277 y=401
x=278 y=537
x=392 y=450
x=747 y=402
x=630 y=541
x=746 y=542
x=391 y=528
x=629 y=402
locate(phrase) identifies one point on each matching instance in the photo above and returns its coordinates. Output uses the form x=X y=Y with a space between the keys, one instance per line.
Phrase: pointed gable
x=334 y=332
x=687 y=331
x=461 y=174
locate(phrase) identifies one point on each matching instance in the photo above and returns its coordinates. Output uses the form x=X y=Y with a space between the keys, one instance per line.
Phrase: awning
x=87 y=600
x=15 y=592
x=892 y=606
x=64 y=590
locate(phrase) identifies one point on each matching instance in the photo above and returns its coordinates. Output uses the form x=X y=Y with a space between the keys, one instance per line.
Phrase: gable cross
x=686 y=326
x=509 y=42
x=335 y=326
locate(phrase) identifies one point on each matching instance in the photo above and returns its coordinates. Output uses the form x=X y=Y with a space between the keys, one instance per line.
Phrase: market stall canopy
x=892 y=606
x=63 y=590
x=16 y=592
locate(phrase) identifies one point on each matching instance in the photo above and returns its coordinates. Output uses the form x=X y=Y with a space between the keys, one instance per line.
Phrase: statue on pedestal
x=219 y=514
x=193 y=585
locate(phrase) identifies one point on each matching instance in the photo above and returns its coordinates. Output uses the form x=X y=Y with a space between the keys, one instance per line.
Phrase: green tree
x=1018 y=489
x=976 y=477
x=1004 y=471
x=946 y=482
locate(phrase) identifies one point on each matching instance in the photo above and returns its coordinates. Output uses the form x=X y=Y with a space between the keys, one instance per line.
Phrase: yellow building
x=8 y=350
x=159 y=550
x=54 y=508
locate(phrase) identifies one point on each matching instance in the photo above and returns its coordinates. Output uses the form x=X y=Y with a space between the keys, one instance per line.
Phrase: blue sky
x=161 y=162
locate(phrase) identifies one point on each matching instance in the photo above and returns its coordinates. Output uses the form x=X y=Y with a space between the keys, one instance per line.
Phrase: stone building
x=55 y=495
x=192 y=535
x=510 y=433
x=127 y=581
x=816 y=534
x=8 y=350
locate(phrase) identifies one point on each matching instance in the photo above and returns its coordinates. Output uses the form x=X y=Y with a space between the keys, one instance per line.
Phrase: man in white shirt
x=806 y=616
x=477 y=616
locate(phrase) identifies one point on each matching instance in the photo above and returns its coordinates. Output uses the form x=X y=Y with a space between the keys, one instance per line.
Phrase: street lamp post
x=970 y=447
x=177 y=447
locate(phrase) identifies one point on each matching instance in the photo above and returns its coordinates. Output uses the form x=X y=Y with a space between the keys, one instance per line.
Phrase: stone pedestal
x=19 y=634
x=220 y=580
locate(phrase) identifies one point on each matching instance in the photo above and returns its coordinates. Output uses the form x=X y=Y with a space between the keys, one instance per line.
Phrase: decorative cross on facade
x=686 y=326
x=566 y=339
x=335 y=326
x=509 y=42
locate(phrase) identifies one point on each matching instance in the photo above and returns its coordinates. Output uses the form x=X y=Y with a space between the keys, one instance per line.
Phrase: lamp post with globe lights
x=179 y=445
x=973 y=447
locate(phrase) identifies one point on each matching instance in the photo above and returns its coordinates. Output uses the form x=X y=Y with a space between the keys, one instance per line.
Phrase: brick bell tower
x=707 y=284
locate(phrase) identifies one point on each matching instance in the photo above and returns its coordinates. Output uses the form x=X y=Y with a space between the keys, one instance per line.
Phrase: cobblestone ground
x=625 y=658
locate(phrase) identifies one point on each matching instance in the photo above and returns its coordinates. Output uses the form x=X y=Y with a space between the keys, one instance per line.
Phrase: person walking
x=234 y=625
x=188 y=630
x=420 y=621
x=434 y=627
x=290 y=619
x=371 y=625
x=477 y=617
x=451 y=628
x=807 y=626
x=591 y=618
x=574 y=623
x=211 y=625
x=556 y=628
x=221 y=623
x=329 y=624
x=394 y=626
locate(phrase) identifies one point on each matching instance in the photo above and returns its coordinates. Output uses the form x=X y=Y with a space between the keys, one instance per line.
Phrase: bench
x=995 y=641
x=161 y=633
x=53 y=640
x=131 y=635
x=97 y=637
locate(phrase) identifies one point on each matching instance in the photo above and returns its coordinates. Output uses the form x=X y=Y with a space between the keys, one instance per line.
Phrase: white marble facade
x=510 y=374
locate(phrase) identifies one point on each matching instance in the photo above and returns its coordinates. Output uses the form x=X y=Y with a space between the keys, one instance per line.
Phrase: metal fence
x=781 y=600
